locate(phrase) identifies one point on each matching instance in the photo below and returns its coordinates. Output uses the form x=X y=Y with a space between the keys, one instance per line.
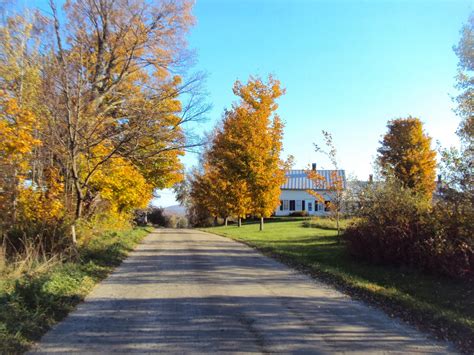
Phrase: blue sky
x=348 y=67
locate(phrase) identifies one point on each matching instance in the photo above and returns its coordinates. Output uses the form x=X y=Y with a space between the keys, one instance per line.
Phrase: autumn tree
x=120 y=185
x=334 y=186
x=465 y=83
x=98 y=98
x=457 y=163
x=197 y=199
x=110 y=84
x=456 y=207
x=210 y=190
x=247 y=149
x=407 y=154
x=16 y=145
x=229 y=190
x=20 y=111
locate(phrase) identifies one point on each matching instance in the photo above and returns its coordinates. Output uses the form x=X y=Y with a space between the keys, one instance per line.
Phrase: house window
x=298 y=205
x=281 y=205
x=310 y=206
x=327 y=206
x=285 y=205
x=292 y=205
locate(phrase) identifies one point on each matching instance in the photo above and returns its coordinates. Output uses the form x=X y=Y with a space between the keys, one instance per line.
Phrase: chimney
x=313 y=166
x=371 y=178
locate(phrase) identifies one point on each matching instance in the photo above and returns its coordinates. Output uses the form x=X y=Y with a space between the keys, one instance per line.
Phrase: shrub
x=328 y=223
x=34 y=242
x=101 y=223
x=182 y=222
x=299 y=214
x=400 y=227
x=157 y=216
x=175 y=221
x=198 y=216
x=140 y=217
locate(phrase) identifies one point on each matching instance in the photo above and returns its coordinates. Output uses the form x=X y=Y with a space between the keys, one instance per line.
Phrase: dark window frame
x=292 y=205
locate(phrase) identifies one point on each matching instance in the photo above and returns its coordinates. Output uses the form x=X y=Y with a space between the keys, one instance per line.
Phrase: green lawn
x=441 y=305
x=33 y=302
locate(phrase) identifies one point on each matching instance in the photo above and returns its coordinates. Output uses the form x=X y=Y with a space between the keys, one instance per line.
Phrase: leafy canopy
x=407 y=154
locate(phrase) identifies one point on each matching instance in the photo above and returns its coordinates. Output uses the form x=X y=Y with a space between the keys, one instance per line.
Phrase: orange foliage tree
x=213 y=190
x=16 y=146
x=96 y=100
x=109 y=83
x=246 y=149
x=407 y=154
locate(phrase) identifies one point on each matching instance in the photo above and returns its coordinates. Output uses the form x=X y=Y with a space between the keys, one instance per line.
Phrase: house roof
x=298 y=180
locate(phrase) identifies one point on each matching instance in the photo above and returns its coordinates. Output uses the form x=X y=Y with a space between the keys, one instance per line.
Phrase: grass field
x=32 y=303
x=440 y=305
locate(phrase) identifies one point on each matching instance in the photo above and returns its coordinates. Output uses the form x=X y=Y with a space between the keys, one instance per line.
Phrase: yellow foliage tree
x=91 y=99
x=42 y=205
x=247 y=148
x=16 y=130
x=119 y=184
x=156 y=151
x=110 y=83
x=407 y=154
x=16 y=145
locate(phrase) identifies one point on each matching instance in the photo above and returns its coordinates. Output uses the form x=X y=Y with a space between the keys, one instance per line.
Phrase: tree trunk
x=78 y=188
x=261 y=223
x=14 y=199
x=79 y=200
x=73 y=234
x=78 y=214
x=3 y=251
x=225 y=221
x=240 y=222
x=215 y=221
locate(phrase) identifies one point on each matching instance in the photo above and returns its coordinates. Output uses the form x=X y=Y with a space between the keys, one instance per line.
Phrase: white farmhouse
x=294 y=196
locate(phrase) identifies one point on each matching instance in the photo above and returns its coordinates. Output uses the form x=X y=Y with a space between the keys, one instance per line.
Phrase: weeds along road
x=185 y=291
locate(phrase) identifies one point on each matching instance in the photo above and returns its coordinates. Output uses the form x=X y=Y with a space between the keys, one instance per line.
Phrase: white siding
x=298 y=196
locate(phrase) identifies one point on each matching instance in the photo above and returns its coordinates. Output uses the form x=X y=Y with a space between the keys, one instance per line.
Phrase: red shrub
x=399 y=227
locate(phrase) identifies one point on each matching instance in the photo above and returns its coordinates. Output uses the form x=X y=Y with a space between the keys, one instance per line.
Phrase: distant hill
x=176 y=210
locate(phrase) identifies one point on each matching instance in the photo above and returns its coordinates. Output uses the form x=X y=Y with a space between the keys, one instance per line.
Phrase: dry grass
x=36 y=292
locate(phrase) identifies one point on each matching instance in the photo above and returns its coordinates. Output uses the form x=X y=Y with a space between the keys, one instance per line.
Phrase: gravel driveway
x=185 y=291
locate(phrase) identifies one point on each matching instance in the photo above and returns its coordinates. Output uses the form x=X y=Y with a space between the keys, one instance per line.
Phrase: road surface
x=185 y=291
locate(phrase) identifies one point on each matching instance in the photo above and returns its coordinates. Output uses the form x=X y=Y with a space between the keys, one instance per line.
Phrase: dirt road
x=184 y=291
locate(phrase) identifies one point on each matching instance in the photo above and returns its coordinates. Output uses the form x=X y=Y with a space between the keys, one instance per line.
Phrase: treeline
x=406 y=218
x=240 y=171
x=92 y=114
